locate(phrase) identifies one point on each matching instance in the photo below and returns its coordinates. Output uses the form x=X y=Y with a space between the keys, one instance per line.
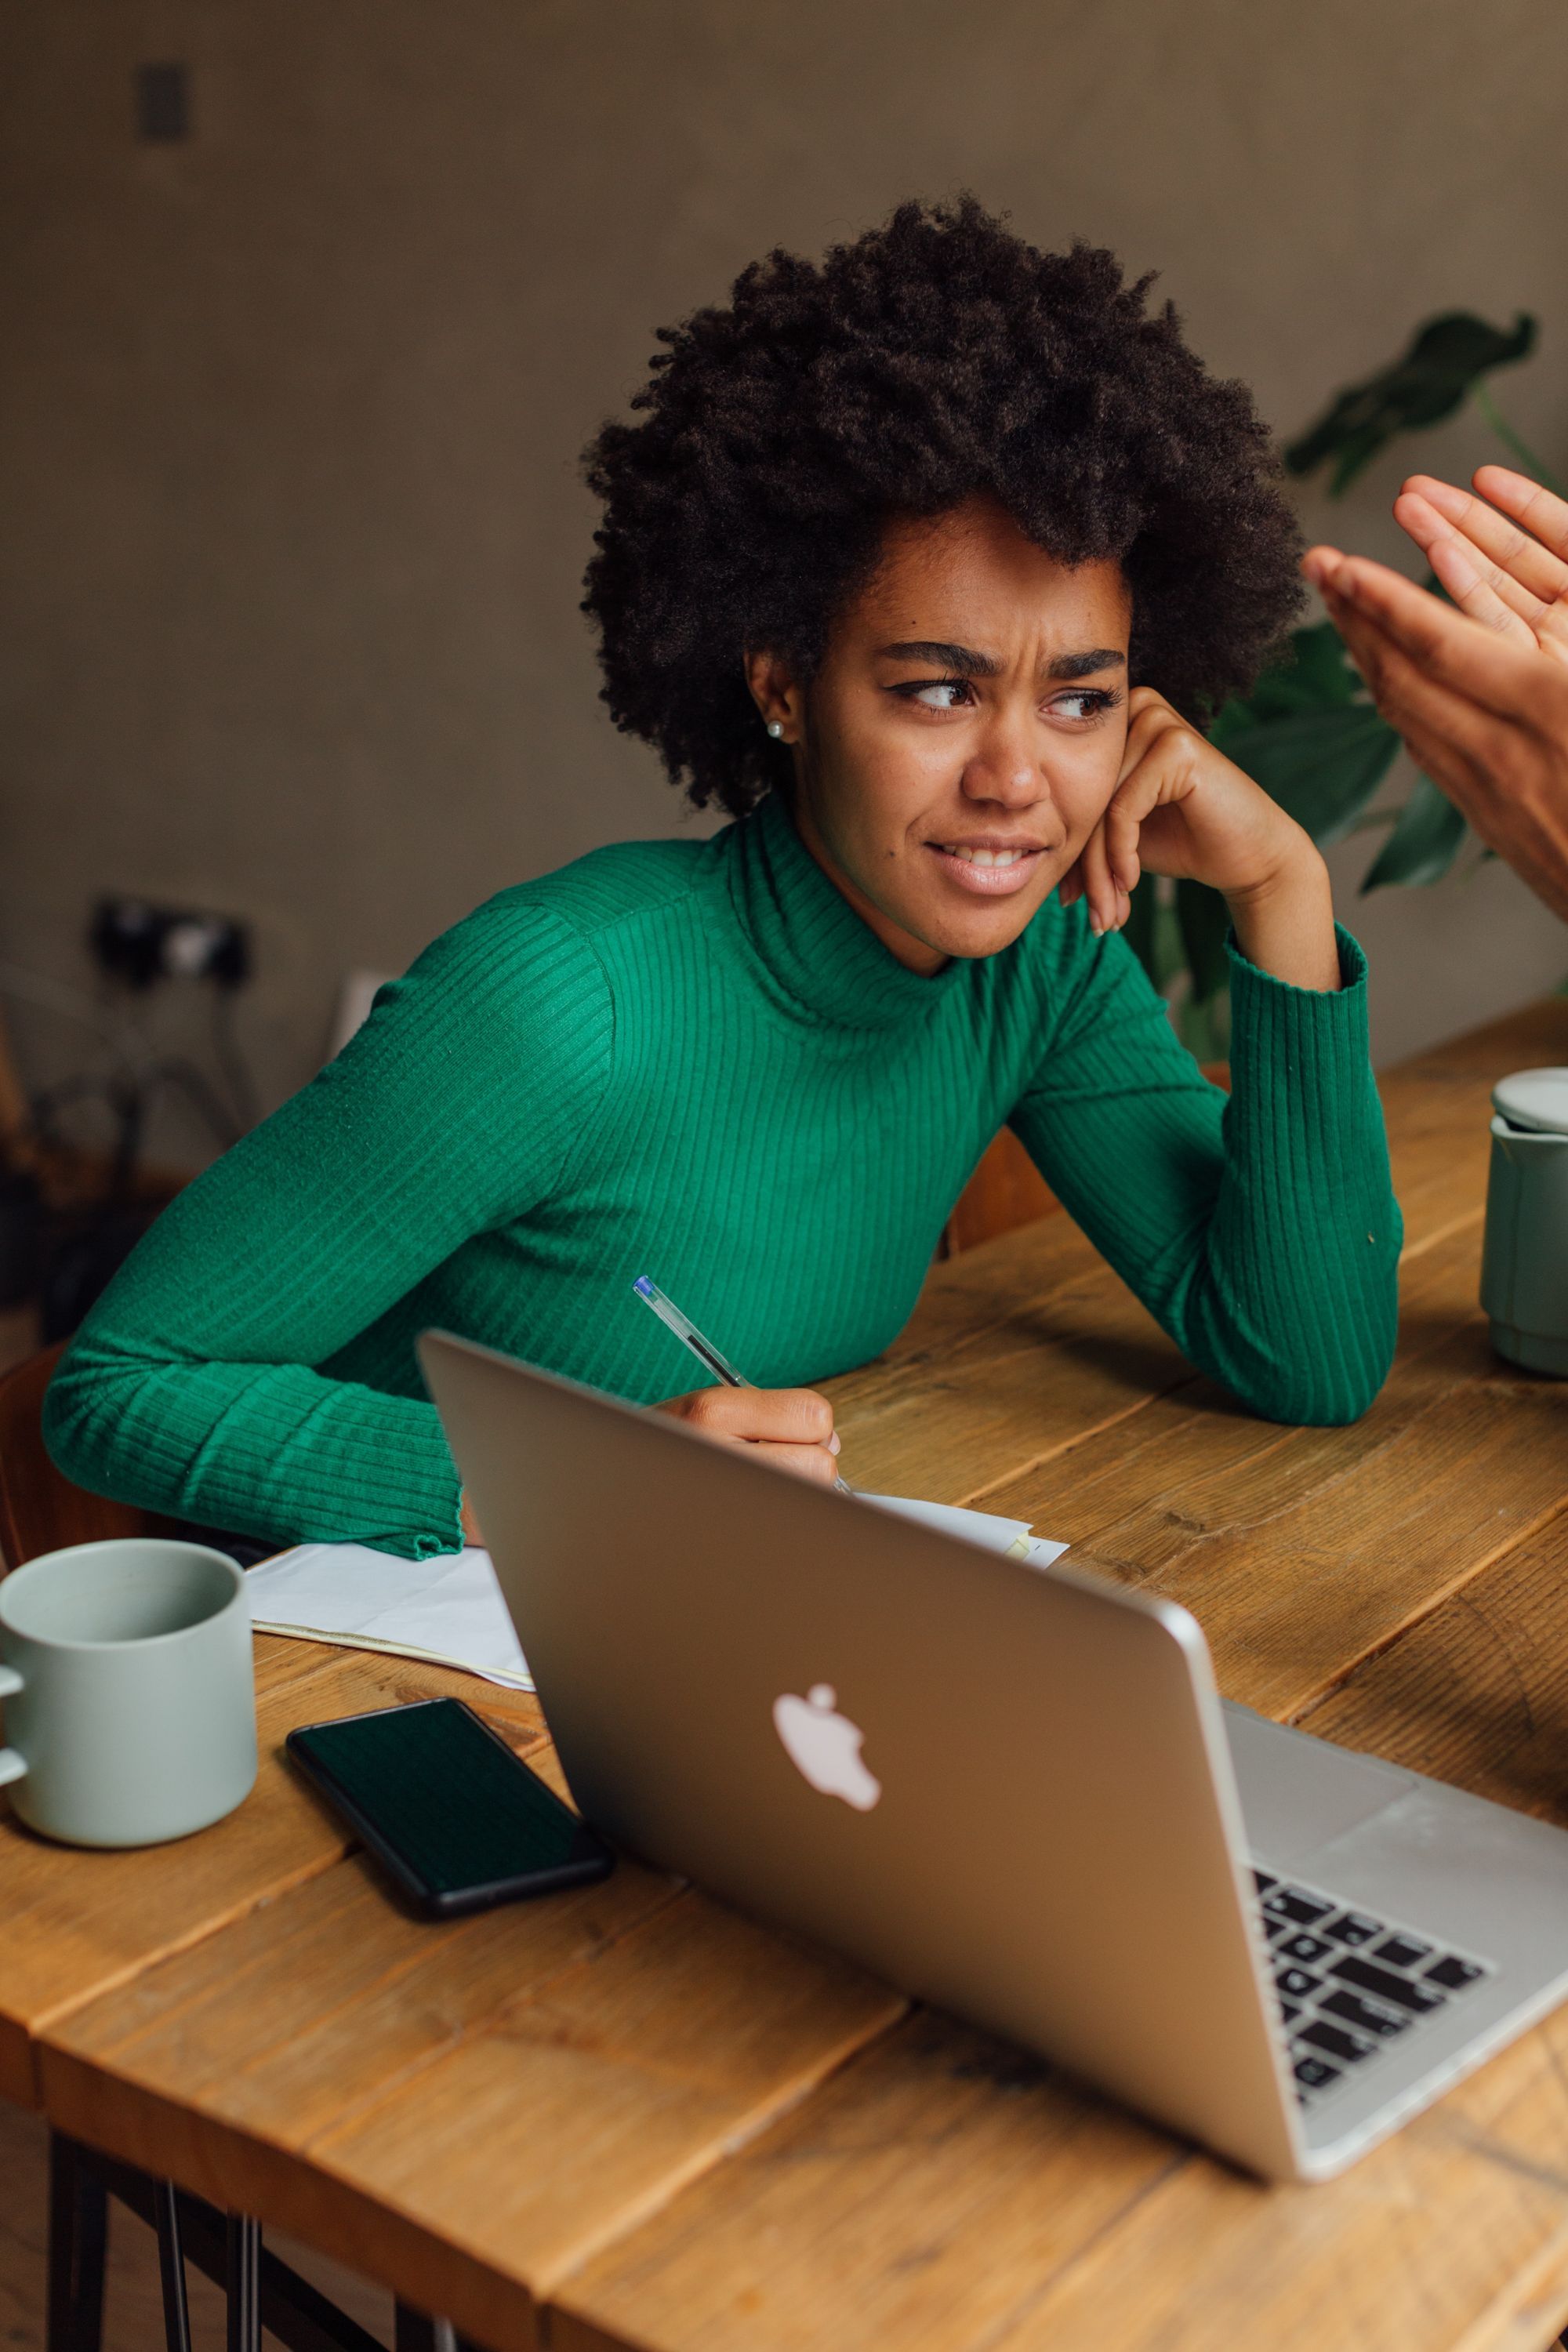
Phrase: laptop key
x=1353 y=1928
x=1379 y=2016
x=1274 y=1928
x=1367 y=1977
x=1295 y=1984
x=1303 y=1948
x=1401 y=1951
x=1295 y=1903
x=1315 y=2074
x=1452 y=1973
x=1290 y=2010
x=1337 y=2040
x=1263 y=1880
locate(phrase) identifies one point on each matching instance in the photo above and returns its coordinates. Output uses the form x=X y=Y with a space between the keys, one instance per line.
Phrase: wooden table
x=628 y=2119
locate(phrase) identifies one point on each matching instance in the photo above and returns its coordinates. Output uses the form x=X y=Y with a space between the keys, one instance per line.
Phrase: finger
x=1518 y=551
x=1153 y=717
x=1482 y=591
x=1435 y=721
x=1319 y=563
x=1538 y=510
x=813 y=1462
x=1513 y=564
x=785 y=1416
x=1122 y=822
x=1069 y=889
x=1454 y=649
x=1100 y=888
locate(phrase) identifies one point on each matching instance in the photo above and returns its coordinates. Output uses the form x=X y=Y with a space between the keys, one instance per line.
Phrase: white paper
x=449 y=1610
x=987 y=1528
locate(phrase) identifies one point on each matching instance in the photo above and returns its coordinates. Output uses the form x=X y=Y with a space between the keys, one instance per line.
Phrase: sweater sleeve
x=1262 y=1231
x=195 y=1387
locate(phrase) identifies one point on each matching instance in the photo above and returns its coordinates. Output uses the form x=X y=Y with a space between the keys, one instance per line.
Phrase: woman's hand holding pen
x=791 y=1428
x=1181 y=808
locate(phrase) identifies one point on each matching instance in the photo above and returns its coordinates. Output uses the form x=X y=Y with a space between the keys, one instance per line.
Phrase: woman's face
x=963 y=734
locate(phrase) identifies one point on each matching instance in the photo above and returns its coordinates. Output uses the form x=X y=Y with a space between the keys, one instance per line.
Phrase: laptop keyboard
x=1350 y=1986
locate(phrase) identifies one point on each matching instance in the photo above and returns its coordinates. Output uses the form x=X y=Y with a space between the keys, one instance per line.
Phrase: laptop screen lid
x=1004 y=1788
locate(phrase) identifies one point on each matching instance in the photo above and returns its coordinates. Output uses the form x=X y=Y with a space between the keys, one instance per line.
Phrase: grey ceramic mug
x=130 y=1692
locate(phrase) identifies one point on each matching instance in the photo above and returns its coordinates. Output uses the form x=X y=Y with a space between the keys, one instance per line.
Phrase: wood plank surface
x=687 y=2134
x=78 y=1922
x=889 y=2216
x=1303 y=1551
x=463 y=2111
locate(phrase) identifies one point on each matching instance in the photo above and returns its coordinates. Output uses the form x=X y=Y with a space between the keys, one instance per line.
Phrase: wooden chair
x=40 y=1510
x=1007 y=1190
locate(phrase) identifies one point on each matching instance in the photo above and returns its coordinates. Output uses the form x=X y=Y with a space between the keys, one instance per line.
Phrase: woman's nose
x=1004 y=767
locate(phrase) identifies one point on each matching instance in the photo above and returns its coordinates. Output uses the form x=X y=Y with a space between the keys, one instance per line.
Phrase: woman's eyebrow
x=961 y=659
x=1084 y=665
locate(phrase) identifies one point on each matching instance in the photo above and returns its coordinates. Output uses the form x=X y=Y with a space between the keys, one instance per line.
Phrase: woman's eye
x=1087 y=702
x=939 y=693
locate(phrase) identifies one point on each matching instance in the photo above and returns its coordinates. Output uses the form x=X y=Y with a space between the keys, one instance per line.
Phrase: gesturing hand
x=1481 y=694
x=1512 y=575
x=1181 y=808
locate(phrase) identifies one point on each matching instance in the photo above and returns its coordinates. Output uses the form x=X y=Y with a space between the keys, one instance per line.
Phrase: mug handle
x=12 y=1764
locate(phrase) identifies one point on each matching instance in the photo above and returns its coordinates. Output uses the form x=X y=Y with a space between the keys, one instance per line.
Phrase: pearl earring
x=775 y=728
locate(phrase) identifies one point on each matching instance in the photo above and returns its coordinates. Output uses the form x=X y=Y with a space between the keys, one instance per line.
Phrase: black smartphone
x=456 y=1819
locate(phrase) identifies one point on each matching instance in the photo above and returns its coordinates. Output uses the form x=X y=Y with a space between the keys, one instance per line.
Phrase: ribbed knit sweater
x=694 y=1060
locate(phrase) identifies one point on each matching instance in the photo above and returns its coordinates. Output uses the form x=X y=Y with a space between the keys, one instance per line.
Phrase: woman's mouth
x=987 y=871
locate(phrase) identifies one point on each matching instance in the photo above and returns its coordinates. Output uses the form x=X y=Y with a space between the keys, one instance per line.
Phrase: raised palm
x=1501 y=555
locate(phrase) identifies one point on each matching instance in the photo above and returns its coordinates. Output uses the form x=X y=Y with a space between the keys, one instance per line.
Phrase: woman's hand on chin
x=791 y=1428
x=1181 y=808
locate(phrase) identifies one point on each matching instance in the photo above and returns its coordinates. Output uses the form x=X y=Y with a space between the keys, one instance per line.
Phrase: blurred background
x=309 y=308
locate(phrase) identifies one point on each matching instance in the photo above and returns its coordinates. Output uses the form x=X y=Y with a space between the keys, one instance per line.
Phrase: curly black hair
x=929 y=361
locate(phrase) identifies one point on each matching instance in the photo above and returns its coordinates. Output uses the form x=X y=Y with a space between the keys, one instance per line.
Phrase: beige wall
x=290 y=533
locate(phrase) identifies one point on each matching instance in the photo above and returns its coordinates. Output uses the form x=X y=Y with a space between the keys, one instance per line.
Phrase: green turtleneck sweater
x=694 y=1060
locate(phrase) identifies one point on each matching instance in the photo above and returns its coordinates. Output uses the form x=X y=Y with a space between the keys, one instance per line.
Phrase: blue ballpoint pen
x=706 y=1353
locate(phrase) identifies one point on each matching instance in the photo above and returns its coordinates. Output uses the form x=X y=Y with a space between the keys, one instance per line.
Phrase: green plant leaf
x=1426 y=383
x=1424 y=843
x=1204 y=921
x=1316 y=674
x=1322 y=766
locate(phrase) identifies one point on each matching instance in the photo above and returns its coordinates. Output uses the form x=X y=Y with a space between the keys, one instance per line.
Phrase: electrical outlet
x=139 y=943
x=163 y=101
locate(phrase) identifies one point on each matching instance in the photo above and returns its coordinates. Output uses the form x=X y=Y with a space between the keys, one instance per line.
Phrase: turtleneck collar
x=814 y=945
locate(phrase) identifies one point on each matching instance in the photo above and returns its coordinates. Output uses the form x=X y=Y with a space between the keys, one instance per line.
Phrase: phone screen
x=456 y=1817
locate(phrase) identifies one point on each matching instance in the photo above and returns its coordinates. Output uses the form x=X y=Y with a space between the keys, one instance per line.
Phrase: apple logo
x=824 y=1746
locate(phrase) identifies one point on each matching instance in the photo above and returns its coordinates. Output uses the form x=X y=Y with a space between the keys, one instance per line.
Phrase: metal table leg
x=172 y=2267
x=242 y=2283
x=414 y=2332
x=79 y=2231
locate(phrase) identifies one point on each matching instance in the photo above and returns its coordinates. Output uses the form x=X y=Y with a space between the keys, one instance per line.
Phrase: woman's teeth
x=984 y=856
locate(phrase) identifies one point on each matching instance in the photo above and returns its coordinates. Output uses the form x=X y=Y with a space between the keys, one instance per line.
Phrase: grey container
x=1524 y=1264
x=129 y=1695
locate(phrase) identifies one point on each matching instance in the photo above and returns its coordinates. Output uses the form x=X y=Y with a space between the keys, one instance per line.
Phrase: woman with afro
x=926 y=565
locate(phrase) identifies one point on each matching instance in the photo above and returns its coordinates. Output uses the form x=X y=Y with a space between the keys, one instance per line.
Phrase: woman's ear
x=778 y=698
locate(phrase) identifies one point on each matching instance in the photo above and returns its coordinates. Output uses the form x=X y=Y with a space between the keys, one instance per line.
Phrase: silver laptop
x=1010 y=1791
